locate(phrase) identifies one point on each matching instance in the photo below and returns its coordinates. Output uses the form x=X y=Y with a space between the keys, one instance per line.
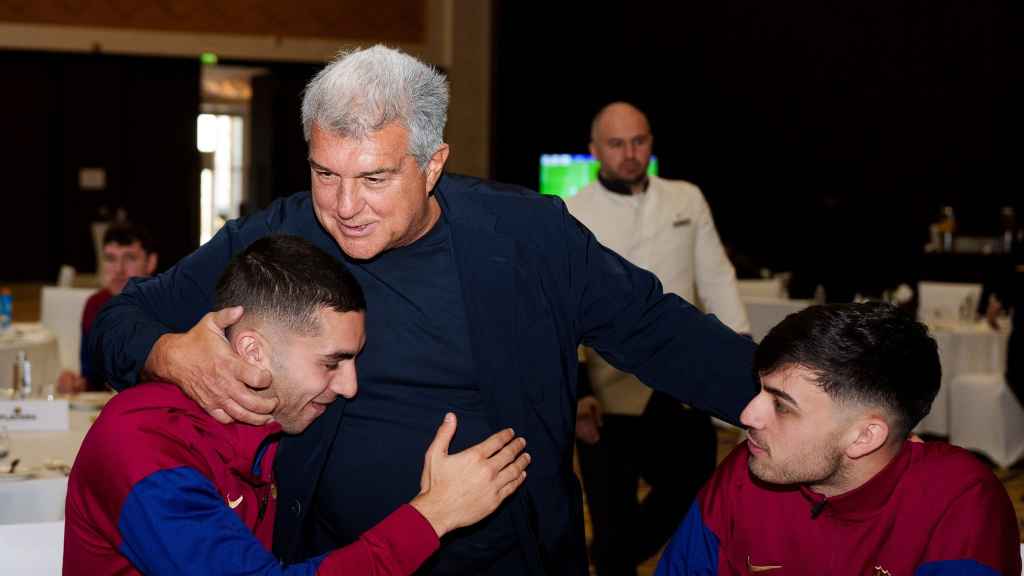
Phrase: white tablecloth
x=41 y=499
x=761 y=288
x=947 y=301
x=32 y=549
x=41 y=346
x=964 y=348
x=988 y=417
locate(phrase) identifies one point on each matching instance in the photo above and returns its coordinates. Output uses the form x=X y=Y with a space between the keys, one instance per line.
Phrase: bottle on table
x=6 y=309
x=947 y=227
x=21 y=386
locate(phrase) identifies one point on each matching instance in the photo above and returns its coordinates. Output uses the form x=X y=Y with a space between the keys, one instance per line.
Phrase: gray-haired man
x=478 y=293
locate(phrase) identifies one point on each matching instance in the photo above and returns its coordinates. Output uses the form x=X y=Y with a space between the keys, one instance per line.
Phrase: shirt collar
x=867 y=499
x=249 y=447
x=237 y=444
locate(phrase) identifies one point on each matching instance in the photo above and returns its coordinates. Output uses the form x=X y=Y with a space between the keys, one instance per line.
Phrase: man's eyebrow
x=338 y=356
x=379 y=171
x=780 y=394
x=375 y=172
x=317 y=166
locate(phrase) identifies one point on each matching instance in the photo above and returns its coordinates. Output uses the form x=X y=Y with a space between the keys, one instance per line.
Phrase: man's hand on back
x=460 y=489
x=70 y=383
x=203 y=365
x=588 y=420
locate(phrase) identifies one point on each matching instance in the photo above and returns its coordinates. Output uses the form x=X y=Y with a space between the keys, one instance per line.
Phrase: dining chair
x=62 y=314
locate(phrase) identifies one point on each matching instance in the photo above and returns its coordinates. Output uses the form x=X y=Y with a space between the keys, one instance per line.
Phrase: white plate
x=89 y=400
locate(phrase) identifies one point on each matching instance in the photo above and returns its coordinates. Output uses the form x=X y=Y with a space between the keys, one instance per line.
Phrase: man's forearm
x=123 y=337
x=397 y=545
x=156 y=366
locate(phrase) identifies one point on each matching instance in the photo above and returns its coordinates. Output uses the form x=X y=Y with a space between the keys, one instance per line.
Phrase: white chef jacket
x=669 y=231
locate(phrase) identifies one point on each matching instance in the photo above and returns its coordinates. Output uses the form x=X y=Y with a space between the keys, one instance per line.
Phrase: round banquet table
x=36 y=492
x=964 y=348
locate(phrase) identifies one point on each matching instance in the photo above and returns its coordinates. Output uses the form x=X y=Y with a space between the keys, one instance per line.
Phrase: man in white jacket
x=627 y=431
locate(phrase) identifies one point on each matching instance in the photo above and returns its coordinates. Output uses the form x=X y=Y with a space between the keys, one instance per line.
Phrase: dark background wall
x=133 y=117
x=280 y=164
x=825 y=135
x=395 y=20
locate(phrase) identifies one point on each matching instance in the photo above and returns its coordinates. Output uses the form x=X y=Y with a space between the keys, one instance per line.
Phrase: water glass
x=5 y=443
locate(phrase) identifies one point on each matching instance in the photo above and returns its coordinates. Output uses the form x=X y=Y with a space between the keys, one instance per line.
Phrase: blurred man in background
x=128 y=252
x=626 y=430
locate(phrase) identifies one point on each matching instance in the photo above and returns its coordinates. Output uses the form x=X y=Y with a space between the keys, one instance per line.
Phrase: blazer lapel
x=486 y=266
x=486 y=262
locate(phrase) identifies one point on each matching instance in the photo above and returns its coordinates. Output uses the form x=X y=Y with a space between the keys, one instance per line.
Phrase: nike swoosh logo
x=756 y=568
x=234 y=504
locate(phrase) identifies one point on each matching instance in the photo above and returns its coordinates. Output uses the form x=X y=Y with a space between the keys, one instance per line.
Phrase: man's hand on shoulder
x=203 y=365
x=460 y=489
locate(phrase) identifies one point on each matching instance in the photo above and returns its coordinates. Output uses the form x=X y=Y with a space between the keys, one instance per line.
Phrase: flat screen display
x=564 y=174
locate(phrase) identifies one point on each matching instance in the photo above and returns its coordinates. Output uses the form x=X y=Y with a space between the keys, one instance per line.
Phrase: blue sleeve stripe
x=693 y=550
x=175 y=522
x=954 y=568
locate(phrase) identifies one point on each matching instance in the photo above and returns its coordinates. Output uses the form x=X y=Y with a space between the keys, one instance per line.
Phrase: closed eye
x=780 y=407
x=333 y=360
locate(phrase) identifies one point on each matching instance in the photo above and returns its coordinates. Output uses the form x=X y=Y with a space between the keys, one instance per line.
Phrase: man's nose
x=346 y=384
x=753 y=416
x=350 y=199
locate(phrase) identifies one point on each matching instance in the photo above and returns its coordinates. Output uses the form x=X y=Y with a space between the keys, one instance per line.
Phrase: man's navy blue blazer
x=536 y=284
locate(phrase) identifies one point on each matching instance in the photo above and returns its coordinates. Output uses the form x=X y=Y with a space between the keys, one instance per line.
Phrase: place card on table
x=34 y=415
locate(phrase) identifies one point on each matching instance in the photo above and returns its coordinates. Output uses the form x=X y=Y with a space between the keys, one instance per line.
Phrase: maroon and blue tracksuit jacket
x=160 y=487
x=934 y=510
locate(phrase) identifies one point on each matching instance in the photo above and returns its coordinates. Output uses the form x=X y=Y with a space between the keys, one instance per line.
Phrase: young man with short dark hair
x=161 y=487
x=828 y=481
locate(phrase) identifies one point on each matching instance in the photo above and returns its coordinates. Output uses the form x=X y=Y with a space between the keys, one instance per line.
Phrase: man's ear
x=866 y=436
x=151 y=260
x=435 y=166
x=251 y=347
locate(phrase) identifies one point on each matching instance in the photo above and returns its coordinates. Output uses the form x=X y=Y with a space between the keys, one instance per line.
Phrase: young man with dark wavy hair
x=829 y=482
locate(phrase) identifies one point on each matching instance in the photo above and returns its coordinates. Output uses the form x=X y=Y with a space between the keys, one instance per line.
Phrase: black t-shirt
x=416 y=366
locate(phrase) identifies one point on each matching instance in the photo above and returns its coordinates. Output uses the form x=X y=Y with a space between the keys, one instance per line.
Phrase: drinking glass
x=5 y=443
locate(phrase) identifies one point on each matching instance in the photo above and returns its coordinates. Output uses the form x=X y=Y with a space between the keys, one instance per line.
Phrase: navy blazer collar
x=461 y=210
x=491 y=290
x=484 y=260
